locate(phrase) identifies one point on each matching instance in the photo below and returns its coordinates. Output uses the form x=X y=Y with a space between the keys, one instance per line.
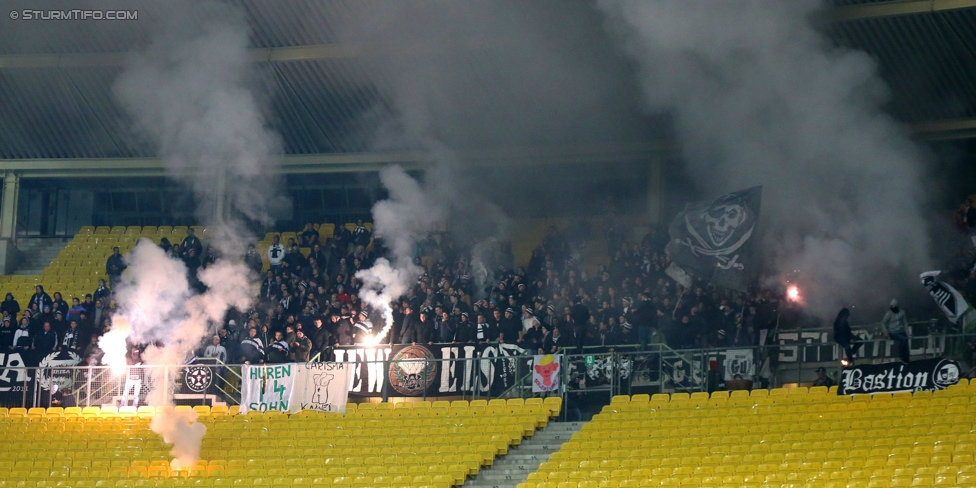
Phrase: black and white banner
x=433 y=370
x=711 y=238
x=18 y=383
x=952 y=303
x=741 y=362
x=927 y=374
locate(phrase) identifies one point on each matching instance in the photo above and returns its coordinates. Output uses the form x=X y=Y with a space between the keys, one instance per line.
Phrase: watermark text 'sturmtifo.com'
x=76 y=14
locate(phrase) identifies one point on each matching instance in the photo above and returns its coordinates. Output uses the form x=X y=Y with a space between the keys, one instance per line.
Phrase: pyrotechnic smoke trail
x=401 y=220
x=188 y=95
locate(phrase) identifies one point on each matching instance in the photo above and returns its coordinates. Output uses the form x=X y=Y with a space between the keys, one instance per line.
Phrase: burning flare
x=113 y=344
x=793 y=293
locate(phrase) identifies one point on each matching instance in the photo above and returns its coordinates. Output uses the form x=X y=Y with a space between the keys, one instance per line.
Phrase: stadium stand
x=78 y=267
x=325 y=233
x=435 y=444
x=797 y=437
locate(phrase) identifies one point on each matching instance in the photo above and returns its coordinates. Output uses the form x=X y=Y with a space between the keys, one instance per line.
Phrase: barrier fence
x=473 y=371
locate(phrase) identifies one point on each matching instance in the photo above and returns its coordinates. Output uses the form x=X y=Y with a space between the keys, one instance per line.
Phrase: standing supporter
x=895 y=324
x=252 y=349
x=192 y=243
x=321 y=338
x=300 y=348
x=7 y=332
x=59 y=304
x=278 y=351
x=72 y=338
x=446 y=328
x=252 y=260
x=40 y=299
x=822 y=378
x=47 y=341
x=216 y=351
x=102 y=292
x=845 y=337
x=309 y=236
x=74 y=313
x=360 y=235
x=276 y=252
x=114 y=267
x=22 y=337
x=10 y=306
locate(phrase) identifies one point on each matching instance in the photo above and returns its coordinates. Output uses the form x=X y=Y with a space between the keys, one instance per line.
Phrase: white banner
x=295 y=387
x=267 y=387
x=740 y=362
x=545 y=373
x=323 y=387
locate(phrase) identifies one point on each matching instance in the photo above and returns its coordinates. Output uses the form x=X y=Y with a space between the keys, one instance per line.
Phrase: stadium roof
x=56 y=100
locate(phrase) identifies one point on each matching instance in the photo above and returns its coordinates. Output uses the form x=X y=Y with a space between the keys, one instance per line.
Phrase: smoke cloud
x=457 y=79
x=189 y=94
x=758 y=96
x=158 y=307
x=401 y=220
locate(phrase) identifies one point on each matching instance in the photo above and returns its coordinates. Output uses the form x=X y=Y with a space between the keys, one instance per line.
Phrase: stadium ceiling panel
x=56 y=100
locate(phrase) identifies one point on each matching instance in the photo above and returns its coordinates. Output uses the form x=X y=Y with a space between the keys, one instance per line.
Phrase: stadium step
x=514 y=468
x=36 y=254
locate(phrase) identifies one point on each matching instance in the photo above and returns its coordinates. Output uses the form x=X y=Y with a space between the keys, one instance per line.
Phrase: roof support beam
x=943 y=130
x=896 y=7
x=109 y=60
x=340 y=163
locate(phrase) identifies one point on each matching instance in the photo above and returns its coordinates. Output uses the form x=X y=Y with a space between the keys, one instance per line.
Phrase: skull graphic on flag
x=709 y=236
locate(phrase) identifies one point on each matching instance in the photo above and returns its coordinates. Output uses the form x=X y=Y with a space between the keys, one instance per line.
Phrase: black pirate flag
x=711 y=239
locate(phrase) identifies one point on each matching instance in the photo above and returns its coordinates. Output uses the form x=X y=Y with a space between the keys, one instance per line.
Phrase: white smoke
x=158 y=307
x=402 y=220
x=189 y=93
x=758 y=96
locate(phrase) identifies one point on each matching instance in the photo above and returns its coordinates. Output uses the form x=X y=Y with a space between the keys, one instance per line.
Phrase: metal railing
x=481 y=371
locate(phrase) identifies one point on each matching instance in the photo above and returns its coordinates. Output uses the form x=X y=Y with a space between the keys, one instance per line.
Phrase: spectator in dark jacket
x=446 y=328
x=10 y=306
x=192 y=243
x=102 y=292
x=465 y=329
x=278 y=350
x=47 y=341
x=114 y=267
x=301 y=348
x=252 y=349
x=7 y=332
x=320 y=337
x=42 y=299
x=411 y=329
x=253 y=260
x=844 y=336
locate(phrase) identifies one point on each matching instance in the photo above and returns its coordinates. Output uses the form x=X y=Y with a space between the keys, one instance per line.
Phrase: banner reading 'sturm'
x=712 y=239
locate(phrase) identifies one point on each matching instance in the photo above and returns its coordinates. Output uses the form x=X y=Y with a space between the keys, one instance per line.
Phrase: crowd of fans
x=308 y=303
x=551 y=305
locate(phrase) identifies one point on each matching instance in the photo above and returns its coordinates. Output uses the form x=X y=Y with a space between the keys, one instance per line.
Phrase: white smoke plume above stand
x=190 y=94
x=758 y=96
x=406 y=217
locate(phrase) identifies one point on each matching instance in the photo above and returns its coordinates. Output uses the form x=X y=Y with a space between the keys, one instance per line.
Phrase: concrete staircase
x=36 y=254
x=514 y=467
